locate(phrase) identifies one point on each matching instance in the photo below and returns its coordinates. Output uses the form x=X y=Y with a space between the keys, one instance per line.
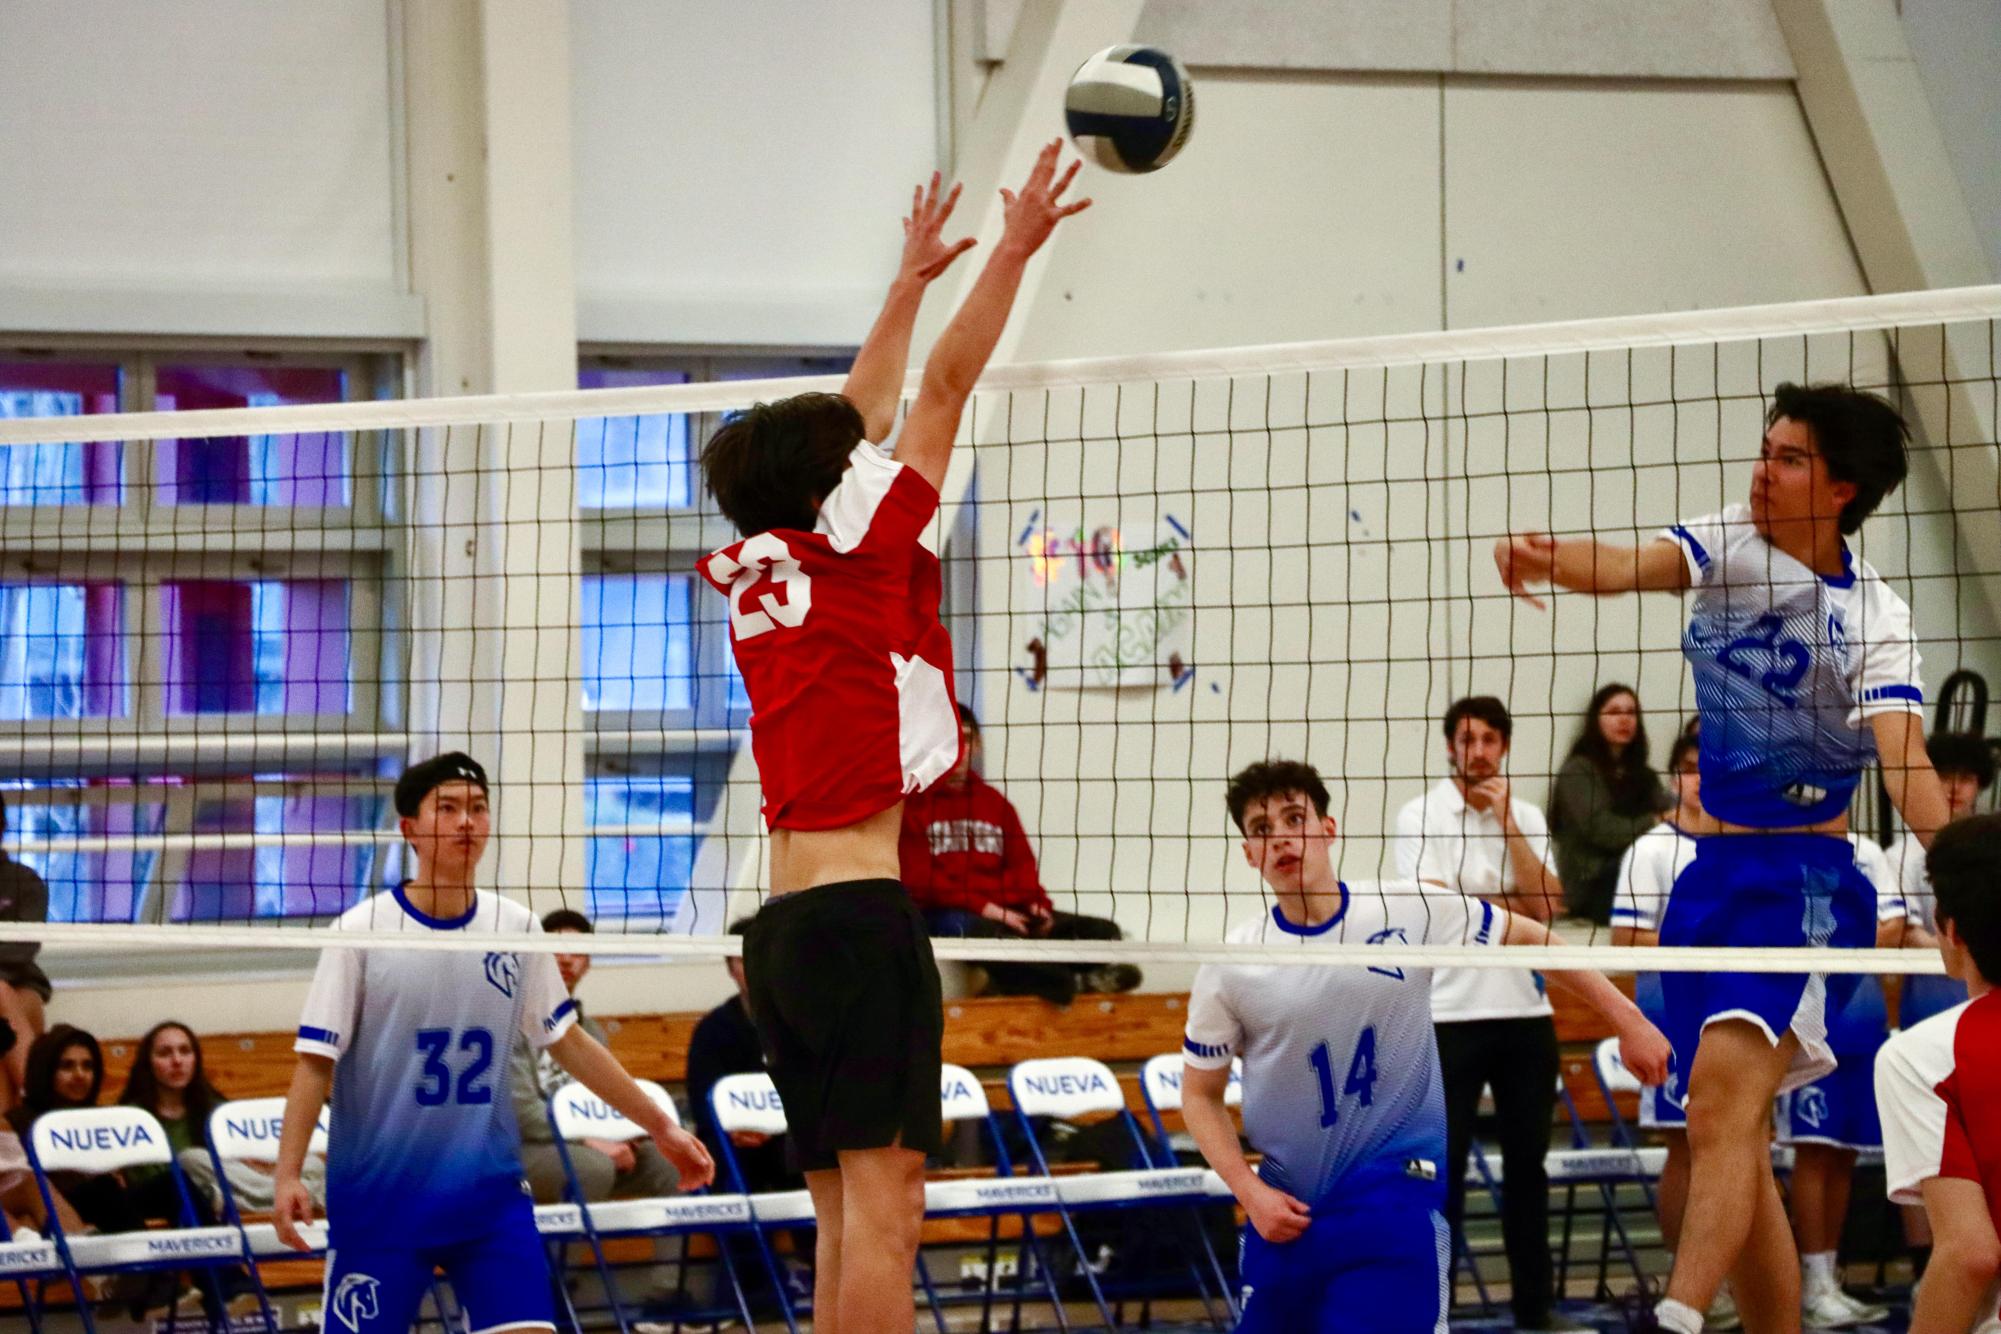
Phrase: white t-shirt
x=422 y=1138
x=1441 y=838
x=1938 y=1091
x=1341 y=1082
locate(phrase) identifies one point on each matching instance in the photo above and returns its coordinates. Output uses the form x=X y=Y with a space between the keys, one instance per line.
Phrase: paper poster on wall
x=1109 y=605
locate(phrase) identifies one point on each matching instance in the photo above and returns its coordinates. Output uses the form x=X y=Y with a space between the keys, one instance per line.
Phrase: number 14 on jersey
x=1360 y=1084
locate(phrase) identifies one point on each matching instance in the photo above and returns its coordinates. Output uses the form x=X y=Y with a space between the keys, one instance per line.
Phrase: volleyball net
x=224 y=633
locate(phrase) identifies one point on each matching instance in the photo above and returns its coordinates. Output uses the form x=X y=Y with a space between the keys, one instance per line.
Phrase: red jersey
x=965 y=848
x=1938 y=1091
x=837 y=637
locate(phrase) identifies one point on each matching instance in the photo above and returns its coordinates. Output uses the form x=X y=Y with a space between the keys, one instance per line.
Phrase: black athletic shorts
x=844 y=992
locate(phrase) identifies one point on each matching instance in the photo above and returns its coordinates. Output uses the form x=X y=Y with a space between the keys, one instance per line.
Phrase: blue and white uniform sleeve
x=326 y=1024
x=1875 y=866
x=547 y=1009
x=1456 y=919
x=1638 y=894
x=1701 y=542
x=1214 y=1033
x=1885 y=674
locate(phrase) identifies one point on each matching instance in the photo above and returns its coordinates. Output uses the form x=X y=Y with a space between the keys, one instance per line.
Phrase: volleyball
x=1130 y=108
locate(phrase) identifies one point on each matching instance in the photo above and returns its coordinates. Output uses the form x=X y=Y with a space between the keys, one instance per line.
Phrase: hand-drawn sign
x=1108 y=606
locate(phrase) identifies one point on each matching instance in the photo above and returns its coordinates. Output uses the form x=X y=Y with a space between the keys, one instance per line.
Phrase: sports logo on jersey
x=1389 y=935
x=358 y=1298
x=504 y=971
x=1810 y=1107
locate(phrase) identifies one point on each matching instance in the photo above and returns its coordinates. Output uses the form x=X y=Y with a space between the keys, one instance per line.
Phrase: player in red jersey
x=834 y=622
x=1938 y=1090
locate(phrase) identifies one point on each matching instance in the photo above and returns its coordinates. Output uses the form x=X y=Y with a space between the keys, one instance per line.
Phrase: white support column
x=1866 y=104
x=493 y=558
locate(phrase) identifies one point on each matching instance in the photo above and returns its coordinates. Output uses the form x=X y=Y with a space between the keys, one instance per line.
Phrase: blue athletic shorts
x=1837 y=1109
x=1379 y=1262
x=500 y=1278
x=1771 y=890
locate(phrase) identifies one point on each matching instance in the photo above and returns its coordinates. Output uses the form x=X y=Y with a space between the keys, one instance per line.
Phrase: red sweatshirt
x=964 y=848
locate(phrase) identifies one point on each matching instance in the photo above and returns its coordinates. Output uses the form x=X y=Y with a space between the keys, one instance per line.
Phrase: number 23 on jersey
x=765 y=566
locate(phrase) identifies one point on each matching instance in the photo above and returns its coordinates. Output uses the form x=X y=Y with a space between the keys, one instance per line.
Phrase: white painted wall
x=232 y=144
x=1957 y=46
x=740 y=166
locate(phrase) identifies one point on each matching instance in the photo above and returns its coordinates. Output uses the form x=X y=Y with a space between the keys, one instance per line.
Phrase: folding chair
x=25 y=1260
x=577 y=1113
x=1622 y=1164
x=1067 y=1088
x=1160 y=1084
x=96 y=1140
x=247 y=1130
x=962 y=1098
x=749 y=1103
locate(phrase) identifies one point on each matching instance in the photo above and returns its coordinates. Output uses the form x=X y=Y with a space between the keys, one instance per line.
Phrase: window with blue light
x=641 y=461
x=68 y=473
x=62 y=651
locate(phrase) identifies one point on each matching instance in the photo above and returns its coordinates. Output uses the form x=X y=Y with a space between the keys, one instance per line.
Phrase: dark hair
x=1962 y=753
x=1965 y=869
x=1485 y=708
x=970 y=719
x=1684 y=745
x=769 y=466
x=1634 y=785
x=142 y=1086
x=1275 y=778
x=39 y=1093
x=426 y=776
x=1859 y=434
x=567 y=919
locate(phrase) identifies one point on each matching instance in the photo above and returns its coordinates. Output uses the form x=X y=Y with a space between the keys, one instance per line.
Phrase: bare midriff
x=1834 y=826
x=864 y=850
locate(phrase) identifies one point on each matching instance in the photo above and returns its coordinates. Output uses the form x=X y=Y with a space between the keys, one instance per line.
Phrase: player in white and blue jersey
x=1342 y=1093
x=1805 y=668
x=423 y=1158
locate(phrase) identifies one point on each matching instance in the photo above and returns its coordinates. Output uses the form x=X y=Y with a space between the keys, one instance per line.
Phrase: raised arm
x=1585 y=565
x=1641 y=1045
x=875 y=383
x=1908 y=775
x=961 y=352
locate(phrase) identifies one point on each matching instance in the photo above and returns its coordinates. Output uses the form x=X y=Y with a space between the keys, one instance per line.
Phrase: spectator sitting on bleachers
x=169 y=1080
x=1605 y=796
x=725 y=1043
x=968 y=866
x=24 y=987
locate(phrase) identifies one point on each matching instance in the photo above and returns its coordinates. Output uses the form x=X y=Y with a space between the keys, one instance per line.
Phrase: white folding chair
x=748 y=1103
x=1160 y=1084
x=1070 y=1088
x=96 y=1140
x=575 y=1113
x=246 y=1130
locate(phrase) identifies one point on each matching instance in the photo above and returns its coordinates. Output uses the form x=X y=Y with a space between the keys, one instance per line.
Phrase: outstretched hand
x=1033 y=214
x=926 y=253
x=1524 y=559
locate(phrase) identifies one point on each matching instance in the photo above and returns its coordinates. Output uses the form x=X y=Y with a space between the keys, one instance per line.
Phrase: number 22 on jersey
x=764 y=560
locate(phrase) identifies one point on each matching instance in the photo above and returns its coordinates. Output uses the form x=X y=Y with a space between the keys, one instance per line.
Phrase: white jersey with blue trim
x=1341 y=1082
x=422 y=1140
x=1789 y=665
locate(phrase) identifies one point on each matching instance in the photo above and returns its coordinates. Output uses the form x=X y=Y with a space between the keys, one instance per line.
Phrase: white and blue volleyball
x=1130 y=108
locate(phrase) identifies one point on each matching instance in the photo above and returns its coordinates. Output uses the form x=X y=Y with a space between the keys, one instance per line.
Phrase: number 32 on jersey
x=766 y=566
